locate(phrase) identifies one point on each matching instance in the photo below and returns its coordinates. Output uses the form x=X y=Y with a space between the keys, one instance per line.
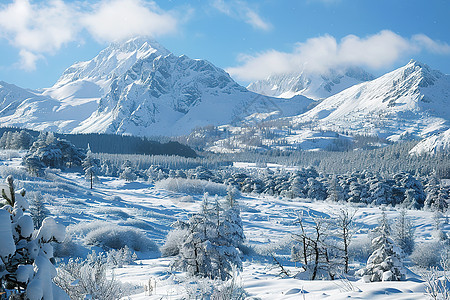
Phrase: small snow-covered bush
x=121 y=257
x=68 y=248
x=112 y=236
x=16 y=173
x=87 y=279
x=173 y=242
x=205 y=288
x=427 y=254
x=192 y=186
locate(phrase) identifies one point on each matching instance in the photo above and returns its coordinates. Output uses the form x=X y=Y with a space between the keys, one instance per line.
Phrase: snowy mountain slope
x=410 y=102
x=111 y=62
x=139 y=88
x=314 y=86
x=171 y=95
x=433 y=144
x=19 y=107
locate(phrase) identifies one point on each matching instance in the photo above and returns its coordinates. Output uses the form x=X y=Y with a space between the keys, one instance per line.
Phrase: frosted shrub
x=17 y=173
x=427 y=254
x=112 y=236
x=173 y=242
x=192 y=186
x=121 y=257
x=215 y=289
x=87 y=279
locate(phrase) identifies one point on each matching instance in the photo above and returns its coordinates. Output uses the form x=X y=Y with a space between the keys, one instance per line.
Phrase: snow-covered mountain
x=140 y=88
x=434 y=144
x=312 y=85
x=410 y=102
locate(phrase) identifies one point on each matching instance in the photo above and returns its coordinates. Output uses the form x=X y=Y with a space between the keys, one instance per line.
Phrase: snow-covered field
x=268 y=224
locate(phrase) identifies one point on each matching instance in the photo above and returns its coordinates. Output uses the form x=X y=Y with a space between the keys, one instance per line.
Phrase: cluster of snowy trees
x=49 y=151
x=208 y=244
x=390 y=159
x=322 y=246
x=20 y=140
x=358 y=187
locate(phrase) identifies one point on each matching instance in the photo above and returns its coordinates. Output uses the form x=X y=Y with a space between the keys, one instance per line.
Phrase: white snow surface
x=7 y=246
x=268 y=223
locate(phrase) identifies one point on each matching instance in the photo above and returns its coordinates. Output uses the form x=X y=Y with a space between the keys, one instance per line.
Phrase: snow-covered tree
x=49 y=151
x=26 y=253
x=438 y=233
x=344 y=232
x=334 y=190
x=316 y=189
x=403 y=233
x=91 y=167
x=209 y=248
x=37 y=209
x=128 y=174
x=385 y=263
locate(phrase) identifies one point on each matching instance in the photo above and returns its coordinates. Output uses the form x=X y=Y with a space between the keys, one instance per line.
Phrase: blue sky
x=250 y=39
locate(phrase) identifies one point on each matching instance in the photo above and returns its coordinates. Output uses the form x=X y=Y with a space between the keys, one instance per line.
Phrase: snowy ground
x=268 y=223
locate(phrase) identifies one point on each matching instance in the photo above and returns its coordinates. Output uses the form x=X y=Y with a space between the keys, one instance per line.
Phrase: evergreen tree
x=38 y=210
x=404 y=233
x=91 y=167
x=26 y=252
x=209 y=248
x=385 y=263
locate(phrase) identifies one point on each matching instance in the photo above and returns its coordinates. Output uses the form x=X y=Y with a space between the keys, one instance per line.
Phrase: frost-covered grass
x=192 y=186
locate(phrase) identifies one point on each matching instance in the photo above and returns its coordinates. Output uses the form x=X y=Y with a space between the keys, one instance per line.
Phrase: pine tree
x=385 y=263
x=26 y=252
x=404 y=233
x=38 y=210
x=209 y=249
x=91 y=167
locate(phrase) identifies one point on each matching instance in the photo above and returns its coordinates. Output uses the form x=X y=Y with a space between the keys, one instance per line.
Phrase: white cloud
x=38 y=28
x=320 y=54
x=241 y=10
x=431 y=45
x=28 y=60
x=43 y=27
x=121 y=19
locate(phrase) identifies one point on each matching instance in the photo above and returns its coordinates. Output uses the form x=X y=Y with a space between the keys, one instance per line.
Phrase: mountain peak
x=112 y=61
x=139 y=43
x=416 y=70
